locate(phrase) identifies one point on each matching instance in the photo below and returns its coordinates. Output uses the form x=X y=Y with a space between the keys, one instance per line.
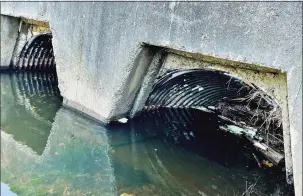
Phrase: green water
x=47 y=149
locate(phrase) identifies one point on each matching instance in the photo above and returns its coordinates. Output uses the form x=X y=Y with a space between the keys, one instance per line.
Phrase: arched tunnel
x=211 y=104
x=37 y=54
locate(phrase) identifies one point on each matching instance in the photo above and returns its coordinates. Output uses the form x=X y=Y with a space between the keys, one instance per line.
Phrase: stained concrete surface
x=95 y=44
x=97 y=41
x=9 y=34
x=296 y=141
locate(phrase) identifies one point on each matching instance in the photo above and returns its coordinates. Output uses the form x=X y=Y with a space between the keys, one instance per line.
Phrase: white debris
x=201 y=193
x=214 y=186
x=211 y=107
x=123 y=120
x=259 y=145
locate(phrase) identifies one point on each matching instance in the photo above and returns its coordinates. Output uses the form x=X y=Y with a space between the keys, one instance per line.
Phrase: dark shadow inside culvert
x=37 y=59
x=37 y=54
x=230 y=116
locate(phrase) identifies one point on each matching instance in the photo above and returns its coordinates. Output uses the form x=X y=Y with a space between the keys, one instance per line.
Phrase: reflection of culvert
x=35 y=83
x=242 y=108
x=37 y=54
x=29 y=116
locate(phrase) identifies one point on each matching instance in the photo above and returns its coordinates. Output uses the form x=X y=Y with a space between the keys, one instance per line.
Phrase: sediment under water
x=47 y=149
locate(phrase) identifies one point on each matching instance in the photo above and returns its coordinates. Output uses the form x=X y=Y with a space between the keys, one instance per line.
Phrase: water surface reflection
x=47 y=149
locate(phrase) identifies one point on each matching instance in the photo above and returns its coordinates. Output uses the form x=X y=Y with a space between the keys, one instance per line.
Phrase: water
x=5 y=190
x=47 y=149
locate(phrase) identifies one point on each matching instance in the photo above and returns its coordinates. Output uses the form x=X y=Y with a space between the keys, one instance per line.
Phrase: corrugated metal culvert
x=182 y=97
x=194 y=87
x=37 y=54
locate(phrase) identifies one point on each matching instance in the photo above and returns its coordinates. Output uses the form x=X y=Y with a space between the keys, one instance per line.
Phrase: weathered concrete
x=9 y=34
x=14 y=34
x=96 y=45
x=296 y=140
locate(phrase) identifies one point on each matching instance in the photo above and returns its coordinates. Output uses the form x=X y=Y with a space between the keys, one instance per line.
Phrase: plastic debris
x=123 y=120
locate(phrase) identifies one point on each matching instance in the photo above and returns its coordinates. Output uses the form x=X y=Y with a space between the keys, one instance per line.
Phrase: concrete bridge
x=108 y=54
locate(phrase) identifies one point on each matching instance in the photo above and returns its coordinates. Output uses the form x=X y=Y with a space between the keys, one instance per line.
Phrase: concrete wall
x=97 y=43
x=9 y=34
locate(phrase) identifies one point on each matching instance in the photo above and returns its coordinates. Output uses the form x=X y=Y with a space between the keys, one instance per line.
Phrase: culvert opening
x=36 y=59
x=33 y=57
x=223 y=110
x=37 y=54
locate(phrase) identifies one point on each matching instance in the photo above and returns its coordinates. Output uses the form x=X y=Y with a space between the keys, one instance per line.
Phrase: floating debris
x=267 y=163
x=123 y=120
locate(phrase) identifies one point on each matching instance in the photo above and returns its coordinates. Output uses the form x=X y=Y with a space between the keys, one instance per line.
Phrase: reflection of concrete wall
x=80 y=146
x=95 y=44
x=9 y=33
x=76 y=147
x=9 y=147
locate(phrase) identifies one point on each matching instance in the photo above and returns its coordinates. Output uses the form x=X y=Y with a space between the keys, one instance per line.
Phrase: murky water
x=47 y=149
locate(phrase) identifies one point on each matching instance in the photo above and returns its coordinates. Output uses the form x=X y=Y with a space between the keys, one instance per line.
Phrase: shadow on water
x=47 y=149
x=192 y=158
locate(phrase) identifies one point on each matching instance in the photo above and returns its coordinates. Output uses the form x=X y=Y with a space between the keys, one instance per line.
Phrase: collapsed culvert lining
x=235 y=104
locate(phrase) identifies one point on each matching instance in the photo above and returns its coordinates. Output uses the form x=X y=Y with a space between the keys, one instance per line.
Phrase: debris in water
x=123 y=120
x=267 y=163
x=214 y=186
x=259 y=145
x=211 y=107
x=201 y=193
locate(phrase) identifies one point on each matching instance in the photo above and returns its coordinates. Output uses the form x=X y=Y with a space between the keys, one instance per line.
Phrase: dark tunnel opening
x=228 y=115
x=37 y=54
x=37 y=61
